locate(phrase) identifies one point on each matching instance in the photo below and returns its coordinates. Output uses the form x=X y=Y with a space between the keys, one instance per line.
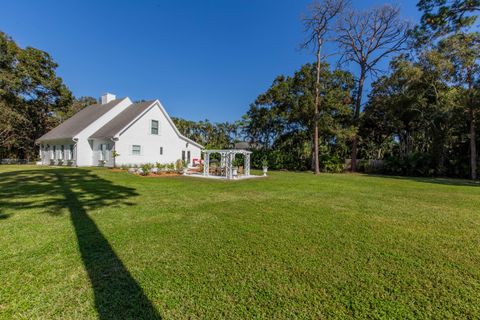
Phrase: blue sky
x=202 y=59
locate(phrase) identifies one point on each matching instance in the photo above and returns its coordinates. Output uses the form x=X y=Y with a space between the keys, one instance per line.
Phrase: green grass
x=92 y=243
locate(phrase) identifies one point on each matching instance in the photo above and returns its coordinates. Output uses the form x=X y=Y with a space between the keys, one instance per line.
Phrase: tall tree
x=366 y=38
x=441 y=17
x=281 y=120
x=450 y=20
x=317 y=25
x=463 y=51
x=31 y=92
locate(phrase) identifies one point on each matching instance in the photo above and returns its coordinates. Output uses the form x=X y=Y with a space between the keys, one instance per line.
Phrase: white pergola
x=226 y=161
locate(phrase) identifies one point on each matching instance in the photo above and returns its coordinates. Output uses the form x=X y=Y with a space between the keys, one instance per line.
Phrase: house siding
x=139 y=133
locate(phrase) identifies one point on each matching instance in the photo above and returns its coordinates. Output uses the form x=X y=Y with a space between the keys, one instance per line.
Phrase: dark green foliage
x=444 y=16
x=416 y=117
x=281 y=119
x=210 y=135
x=416 y=164
x=30 y=94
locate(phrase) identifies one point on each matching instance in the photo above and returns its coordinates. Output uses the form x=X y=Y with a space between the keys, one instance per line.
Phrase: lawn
x=93 y=243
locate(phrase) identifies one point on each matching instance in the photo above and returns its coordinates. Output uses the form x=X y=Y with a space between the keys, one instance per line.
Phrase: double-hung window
x=136 y=150
x=154 y=127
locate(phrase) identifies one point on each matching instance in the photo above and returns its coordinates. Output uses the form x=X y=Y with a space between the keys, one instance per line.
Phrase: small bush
x=146 y=169
x=179 y=165
x=331 y=164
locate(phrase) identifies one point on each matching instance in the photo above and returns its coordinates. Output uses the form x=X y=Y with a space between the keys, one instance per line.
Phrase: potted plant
x=265 y=166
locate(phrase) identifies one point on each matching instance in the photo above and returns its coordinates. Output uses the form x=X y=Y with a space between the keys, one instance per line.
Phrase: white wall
x=139 y=134
x=85 y=147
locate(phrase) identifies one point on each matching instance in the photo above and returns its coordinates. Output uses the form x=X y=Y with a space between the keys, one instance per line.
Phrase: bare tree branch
x=366 y=38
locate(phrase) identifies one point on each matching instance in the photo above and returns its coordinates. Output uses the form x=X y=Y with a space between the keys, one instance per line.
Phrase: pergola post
x=246 y=163
x=222 y=159
x=206 y=164
x=228 y=167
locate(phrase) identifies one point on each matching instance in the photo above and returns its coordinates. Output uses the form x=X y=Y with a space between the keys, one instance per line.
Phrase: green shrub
x=180 y=164
x=331 y=164
x=146 y=168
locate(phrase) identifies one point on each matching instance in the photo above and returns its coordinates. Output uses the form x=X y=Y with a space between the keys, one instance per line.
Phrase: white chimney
x=107 y=97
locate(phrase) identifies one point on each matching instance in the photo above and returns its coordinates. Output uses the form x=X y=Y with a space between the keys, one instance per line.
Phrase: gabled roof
x=114 y=126
x=131 y=114
x=79 y=121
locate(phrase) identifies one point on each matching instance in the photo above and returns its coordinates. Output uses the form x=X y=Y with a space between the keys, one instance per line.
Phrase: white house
x=136 y=133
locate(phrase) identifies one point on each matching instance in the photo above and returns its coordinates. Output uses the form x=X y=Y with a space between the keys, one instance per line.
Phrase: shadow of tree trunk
x=117 y=294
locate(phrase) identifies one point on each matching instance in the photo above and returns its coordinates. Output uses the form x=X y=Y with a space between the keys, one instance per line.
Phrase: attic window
x=154 y=127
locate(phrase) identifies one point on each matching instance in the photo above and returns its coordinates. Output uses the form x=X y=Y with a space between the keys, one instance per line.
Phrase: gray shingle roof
x=114 y=126
x=82 y=119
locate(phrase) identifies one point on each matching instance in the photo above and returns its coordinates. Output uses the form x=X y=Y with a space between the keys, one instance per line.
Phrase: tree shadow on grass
x=117 y=294
x=434 y=180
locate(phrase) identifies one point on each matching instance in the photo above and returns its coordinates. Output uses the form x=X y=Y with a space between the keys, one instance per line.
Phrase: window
x=62 y=152
x=183 y=155
x=54 y=156
x=188 y=156
x=136 y=149
x=161 y=150
x=154 y=127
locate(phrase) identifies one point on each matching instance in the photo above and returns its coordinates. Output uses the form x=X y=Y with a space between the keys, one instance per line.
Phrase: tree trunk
x=317 y=110
x=356 y=117
x=473 y=135
x=473 y=145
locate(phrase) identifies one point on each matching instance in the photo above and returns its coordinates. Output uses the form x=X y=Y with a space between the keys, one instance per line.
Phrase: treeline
x=418 y=118
x=211 y=135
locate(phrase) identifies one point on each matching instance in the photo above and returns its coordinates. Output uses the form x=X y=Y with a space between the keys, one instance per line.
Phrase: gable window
x=136 y=150
x=161 y=150
x=154 y=127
